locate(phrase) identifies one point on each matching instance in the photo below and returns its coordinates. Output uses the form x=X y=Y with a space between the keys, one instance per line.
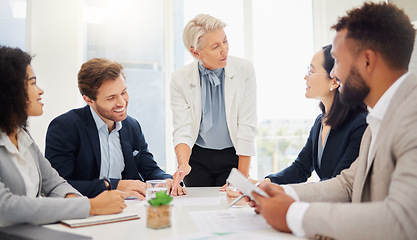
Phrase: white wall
x=55 y=37
x=410 y=7
x=326 y=14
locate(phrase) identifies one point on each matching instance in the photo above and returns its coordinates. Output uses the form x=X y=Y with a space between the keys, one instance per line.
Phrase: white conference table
x=182 y=225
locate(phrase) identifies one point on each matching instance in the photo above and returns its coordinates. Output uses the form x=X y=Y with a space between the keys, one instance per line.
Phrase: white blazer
x=240 y=103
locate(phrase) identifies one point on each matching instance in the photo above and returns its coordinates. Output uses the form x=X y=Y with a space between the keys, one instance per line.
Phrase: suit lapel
x=92 y=133
x=406 y=87
x=315 y=139
x=130 y=171
x=230 y=86
x=33 y=152
x=402 y=92
x=195 y=90
x=361 y=170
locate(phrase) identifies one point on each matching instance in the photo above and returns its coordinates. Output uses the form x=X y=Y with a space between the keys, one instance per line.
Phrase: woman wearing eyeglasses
x=31 y=191
x=334 y=140
x=213 y=102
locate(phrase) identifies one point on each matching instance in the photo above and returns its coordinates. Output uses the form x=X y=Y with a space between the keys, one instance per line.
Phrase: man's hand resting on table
x=133 y=188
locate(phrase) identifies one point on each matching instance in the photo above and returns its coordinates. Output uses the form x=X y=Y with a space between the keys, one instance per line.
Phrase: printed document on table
x=228 y=220
x=243 y=235
x=196 y=201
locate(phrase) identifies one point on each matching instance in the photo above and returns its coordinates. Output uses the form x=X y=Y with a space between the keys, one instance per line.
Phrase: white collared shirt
x=296 y=211
x=23 y=160
x=112 y=160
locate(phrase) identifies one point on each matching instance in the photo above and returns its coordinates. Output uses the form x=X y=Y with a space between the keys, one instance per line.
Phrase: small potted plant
x=159 y=211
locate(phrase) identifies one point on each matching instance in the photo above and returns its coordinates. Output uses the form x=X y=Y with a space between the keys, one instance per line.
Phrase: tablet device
x=238 y=180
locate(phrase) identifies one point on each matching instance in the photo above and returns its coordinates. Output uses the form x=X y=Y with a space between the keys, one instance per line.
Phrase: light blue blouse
x=213 y=133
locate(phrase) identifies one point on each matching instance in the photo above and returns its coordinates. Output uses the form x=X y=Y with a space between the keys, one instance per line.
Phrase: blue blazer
x=73 y=148
x=341 y=150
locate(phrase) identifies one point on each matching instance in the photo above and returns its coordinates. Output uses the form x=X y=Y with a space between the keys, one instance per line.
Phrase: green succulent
x=162 y=198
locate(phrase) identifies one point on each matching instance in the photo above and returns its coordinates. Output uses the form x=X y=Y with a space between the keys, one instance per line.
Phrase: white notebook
x=100 y=219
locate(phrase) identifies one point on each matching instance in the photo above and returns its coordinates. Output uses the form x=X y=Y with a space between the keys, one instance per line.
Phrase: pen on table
x=241 y=196
x=108 y=183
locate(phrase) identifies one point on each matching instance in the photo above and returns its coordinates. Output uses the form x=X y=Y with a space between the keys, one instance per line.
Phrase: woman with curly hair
x=25 y=174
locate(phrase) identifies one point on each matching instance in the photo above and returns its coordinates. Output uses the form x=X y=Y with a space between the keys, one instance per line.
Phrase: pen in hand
x=241 y=196
x=108 y=183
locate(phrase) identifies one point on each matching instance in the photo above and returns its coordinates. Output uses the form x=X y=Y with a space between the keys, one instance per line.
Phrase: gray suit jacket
x=379 y=201
x=16 y=208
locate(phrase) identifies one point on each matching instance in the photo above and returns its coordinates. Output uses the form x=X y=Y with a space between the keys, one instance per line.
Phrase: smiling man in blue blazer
x=99 y=146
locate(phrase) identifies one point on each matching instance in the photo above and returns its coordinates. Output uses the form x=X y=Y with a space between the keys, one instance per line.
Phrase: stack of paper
x=101 y=219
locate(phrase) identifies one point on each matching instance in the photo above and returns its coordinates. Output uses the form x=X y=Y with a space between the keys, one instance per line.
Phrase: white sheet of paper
x=243 y=235
x=196 y=201
x=100 y=219
x=228 y=220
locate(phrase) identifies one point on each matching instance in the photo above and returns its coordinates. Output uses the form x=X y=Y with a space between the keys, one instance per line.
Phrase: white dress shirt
x=297 y=210
x=23 y=160
x=112 y=160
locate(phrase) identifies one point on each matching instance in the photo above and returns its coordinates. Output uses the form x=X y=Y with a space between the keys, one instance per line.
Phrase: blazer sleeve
x=63 y=148
x=181 y=111
x=393 y=217
x=16 y=209
x=341 y=188
x=300 y=170
x=247 y=116
x=352 y=150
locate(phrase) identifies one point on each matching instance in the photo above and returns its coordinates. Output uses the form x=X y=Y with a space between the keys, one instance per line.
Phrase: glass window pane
x=13 y=23
x=283 y=47
x=131 y=32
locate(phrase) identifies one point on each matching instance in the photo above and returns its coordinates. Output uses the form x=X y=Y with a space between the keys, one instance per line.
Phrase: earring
x=331 y=89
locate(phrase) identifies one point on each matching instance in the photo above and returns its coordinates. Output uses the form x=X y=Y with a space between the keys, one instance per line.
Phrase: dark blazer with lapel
x=73 y=148
x=342 y=148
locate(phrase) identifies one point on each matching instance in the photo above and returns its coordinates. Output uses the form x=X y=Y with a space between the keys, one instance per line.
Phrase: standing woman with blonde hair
x=213 y=102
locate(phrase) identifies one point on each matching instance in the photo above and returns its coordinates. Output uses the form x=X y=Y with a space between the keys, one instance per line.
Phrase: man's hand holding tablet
x=244 y=184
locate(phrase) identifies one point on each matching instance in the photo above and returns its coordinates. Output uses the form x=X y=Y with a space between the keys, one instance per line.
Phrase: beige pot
x=158 y=216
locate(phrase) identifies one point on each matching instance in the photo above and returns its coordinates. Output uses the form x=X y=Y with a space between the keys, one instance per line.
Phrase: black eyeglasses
x=309 y=73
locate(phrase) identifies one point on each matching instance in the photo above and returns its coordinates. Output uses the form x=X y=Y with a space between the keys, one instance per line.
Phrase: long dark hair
x=13 y=93
x=339 y=112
